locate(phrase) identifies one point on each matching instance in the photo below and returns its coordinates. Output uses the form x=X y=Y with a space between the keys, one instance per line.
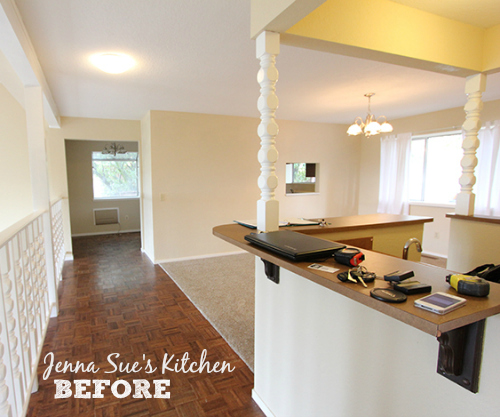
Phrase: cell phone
x=440 y=302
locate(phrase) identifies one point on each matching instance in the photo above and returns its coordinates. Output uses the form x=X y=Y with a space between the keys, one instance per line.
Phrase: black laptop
x=294 y=245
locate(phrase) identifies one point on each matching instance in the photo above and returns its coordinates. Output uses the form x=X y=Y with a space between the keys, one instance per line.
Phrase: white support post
x=474 y=87
x=35 y=128
x=268 y=46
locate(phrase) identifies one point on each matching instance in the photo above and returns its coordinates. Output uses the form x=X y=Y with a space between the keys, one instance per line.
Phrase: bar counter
x=476 y=308
x=327 y=348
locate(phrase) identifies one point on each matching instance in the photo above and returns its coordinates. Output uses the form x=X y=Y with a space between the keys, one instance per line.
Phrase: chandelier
x=113 y=149
x=371 y=125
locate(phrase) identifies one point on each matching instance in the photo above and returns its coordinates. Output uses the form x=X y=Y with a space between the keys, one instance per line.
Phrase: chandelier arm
x=359 y=121
x=371 y=125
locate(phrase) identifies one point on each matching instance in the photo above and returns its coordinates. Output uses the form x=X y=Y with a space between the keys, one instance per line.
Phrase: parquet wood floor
x=114 y=300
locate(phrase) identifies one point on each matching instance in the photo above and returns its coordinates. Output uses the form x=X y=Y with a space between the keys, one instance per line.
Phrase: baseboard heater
x=106 y=216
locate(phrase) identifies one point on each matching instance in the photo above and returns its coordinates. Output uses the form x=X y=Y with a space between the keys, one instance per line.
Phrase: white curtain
x=487 y=188
x=394 y=168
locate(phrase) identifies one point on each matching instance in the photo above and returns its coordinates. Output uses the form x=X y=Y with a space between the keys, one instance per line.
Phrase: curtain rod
x=443 y=129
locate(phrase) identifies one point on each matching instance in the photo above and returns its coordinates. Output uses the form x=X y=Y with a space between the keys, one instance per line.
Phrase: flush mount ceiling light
x=371 y=125
x=112 y=62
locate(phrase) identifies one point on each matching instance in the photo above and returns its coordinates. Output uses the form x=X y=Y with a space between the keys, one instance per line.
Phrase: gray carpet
x=223 y=289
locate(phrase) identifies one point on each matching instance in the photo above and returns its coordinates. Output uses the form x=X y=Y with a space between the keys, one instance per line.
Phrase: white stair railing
x=56 y=217
x=28 y=295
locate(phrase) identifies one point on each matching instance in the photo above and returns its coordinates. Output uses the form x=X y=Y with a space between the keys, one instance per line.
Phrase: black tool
x=398 y=276
x=412 y=287
x=349 y=256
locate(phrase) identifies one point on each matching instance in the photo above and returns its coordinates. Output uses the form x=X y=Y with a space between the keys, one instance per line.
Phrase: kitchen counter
x=386 y=233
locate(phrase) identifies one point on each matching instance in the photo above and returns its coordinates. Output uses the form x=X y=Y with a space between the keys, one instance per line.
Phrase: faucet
x=408 y=243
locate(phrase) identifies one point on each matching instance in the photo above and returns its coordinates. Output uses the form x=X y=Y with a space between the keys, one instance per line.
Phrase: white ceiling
x=197 y=56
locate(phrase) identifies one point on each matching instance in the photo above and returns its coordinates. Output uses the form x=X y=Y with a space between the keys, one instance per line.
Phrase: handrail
x=57 y=199
x=6 y=234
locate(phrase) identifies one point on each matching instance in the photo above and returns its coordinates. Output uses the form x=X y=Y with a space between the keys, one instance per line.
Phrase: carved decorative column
x=474 y=87
x=268 y=46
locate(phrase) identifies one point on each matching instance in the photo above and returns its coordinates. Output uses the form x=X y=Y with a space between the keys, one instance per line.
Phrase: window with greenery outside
x=297 y=173
x=115 y=176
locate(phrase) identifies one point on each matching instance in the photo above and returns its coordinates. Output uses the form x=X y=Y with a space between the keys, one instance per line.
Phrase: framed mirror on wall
x=302 y=178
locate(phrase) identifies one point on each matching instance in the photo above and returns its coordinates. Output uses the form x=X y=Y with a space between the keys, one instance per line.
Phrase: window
x=435 y=168
x=301 y=177
x=115 y=176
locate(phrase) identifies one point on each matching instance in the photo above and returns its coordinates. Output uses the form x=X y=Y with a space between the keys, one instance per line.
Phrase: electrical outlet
x=436 y=235
x=126 y=217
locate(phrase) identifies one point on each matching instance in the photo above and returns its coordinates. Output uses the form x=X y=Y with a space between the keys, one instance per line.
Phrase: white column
x=474 y=87
x=35 y=129
x=268 y=46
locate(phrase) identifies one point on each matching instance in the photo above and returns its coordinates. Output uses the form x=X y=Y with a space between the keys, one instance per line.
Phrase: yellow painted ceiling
x=480 y=13
x=399 y=33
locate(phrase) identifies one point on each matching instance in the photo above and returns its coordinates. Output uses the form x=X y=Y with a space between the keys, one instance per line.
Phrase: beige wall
x=369 y=175
x=205 y=168
x=200 y=164
x=436 y=234
x=15 y=181
x=472 y=244
x=81 y=199
x=338 y=158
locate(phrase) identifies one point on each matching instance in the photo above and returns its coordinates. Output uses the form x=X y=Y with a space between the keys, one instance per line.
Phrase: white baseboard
x=147 y=254
x=192 y=258
x=435 y=255
x=105 y=233
x=262 y=405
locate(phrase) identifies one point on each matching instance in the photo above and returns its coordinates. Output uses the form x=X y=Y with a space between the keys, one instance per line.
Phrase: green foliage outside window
x=115 y=176
x=299 y=174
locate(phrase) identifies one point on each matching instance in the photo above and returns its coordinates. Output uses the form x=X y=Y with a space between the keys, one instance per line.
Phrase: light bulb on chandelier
x=371 y=125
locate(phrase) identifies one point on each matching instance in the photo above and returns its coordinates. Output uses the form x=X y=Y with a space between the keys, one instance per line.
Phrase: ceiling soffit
x=485 y=16
x=397 y=34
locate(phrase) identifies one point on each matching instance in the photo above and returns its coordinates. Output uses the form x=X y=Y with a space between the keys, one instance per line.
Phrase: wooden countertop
x=365 y=221
x=476 y=308
x=482 y=219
